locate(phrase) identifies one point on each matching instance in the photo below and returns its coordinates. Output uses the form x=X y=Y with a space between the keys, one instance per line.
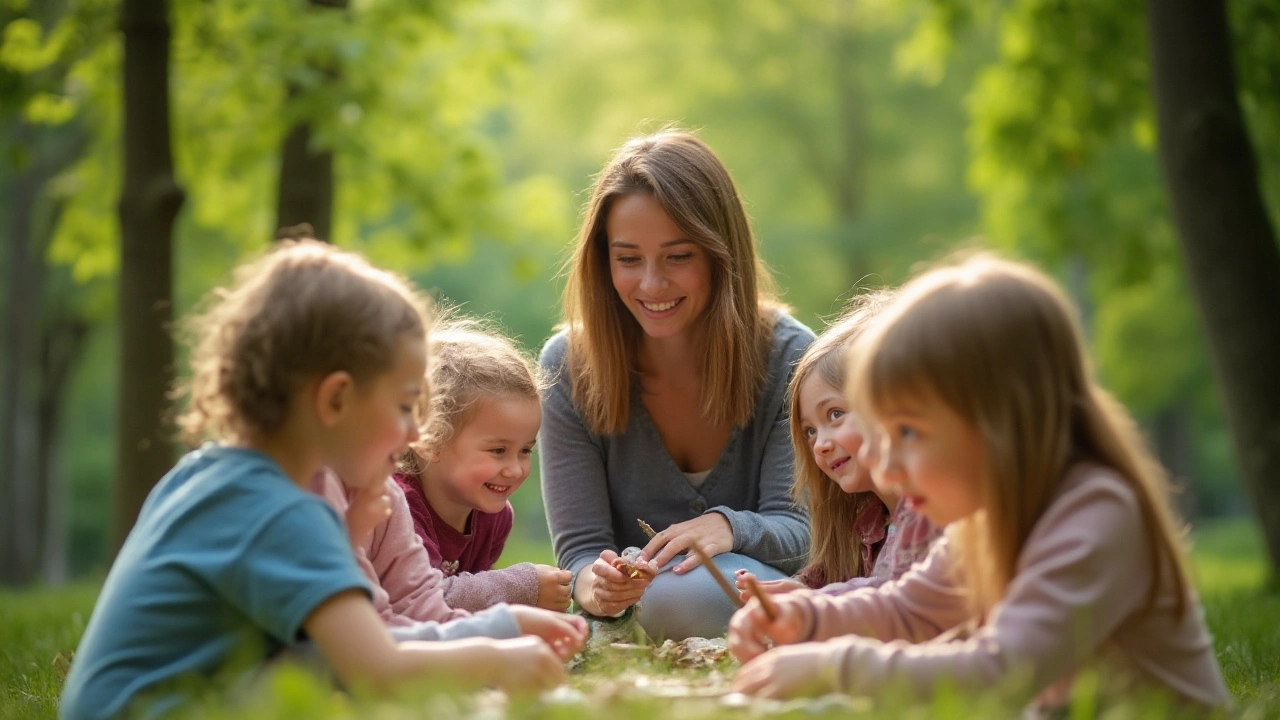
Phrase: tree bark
x=1225 y=234
x=305 y=194
x=18 y=555
x=306 y=183
x=148 y=208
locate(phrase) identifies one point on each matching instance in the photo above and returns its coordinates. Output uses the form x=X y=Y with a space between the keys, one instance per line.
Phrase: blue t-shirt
x=226 y=561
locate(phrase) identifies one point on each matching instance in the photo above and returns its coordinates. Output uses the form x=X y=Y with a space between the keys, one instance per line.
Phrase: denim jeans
x=675 y=607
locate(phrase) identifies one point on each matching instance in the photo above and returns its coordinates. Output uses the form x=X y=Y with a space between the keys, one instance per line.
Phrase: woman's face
x=663 y=277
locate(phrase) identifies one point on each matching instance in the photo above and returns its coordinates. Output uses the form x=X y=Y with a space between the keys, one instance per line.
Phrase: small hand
x=368 y=507
x=524 y=665
x=553 y=587
x=711 y=532
x=773 y=587
x=564 y=634
x=784 y=673
x=751 y=632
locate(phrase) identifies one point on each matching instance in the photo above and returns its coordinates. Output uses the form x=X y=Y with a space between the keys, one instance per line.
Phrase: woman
x=668 y=396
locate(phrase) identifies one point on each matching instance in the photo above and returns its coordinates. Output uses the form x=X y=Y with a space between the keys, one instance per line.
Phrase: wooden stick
x=645 y=527
x=728 y=589
x=766 y=604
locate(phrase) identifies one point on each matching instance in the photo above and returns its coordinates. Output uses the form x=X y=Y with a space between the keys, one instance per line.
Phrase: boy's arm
x=356 y=644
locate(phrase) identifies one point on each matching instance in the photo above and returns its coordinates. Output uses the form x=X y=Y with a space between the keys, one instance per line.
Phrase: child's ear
x=333 y=396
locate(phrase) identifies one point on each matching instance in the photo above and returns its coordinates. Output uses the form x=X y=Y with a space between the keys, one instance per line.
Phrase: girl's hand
x=564 y=634
x=369 y=506
x=603 y=589
x=784 y=673
x=751 y=632
x=772 y=587
x=524 y=665
x=711 y=532
x=553 y=587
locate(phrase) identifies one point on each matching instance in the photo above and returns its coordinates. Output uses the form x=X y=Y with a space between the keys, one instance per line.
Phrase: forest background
x=456 y=142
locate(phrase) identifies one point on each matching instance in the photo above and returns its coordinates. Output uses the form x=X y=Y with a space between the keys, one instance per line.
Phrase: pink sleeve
x=1083 y=571
x=851 y=584
x=476 y=591
x=920 y=605
x=414 y=588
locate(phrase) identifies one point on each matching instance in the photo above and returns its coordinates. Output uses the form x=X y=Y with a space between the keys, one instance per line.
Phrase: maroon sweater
x=467 y=559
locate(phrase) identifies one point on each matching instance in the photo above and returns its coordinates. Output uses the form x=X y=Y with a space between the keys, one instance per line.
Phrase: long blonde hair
x=692 y=186
x=834 y=551
x=999 y=344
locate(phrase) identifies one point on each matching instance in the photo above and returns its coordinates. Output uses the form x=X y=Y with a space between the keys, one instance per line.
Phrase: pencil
x=766 y=604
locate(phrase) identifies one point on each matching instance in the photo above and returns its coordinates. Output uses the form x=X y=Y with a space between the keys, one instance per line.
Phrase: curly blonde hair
x=470 y=361
x=302 y=311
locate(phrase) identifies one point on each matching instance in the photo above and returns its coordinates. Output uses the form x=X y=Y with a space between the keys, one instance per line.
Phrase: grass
x=40 y=625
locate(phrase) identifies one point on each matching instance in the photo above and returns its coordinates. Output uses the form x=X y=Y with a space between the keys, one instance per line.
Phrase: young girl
x=312 y=359
x=1062 y=550
x=476 y=447
x=856 y=540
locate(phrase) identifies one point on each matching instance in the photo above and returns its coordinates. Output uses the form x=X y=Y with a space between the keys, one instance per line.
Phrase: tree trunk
x=305 y=194
x=847 y=180
x=61 y=347
x=149 y=206
x=306 y=183
x=1224 y=232
x=18 y=548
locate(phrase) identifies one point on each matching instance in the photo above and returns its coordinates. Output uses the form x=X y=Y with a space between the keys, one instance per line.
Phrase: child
x=313 y=358
x=482 y=422
x=1062 y=550
x=408 y=592
x=856 y=541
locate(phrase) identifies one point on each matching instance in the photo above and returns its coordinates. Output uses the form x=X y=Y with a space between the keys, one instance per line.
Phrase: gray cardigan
x=594 y=487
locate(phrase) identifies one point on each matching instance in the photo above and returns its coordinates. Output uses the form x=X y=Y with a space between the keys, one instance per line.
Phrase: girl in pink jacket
x=1061 y=550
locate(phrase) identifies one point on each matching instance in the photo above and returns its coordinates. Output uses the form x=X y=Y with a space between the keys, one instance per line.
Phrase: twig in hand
x=719 y=577
x=645 y=527
x=766 y=604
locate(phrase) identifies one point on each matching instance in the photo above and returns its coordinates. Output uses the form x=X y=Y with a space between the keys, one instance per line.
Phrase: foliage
x=1062 y=137
x=467 y=135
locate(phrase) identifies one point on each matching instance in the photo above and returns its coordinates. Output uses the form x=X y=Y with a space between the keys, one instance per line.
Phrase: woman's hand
x=784 y=673
x=553 y=587
x=772 y=587
x=564 y=634
x=604 y=590
x=369 y=506
x=710 y=532
x=751 y=632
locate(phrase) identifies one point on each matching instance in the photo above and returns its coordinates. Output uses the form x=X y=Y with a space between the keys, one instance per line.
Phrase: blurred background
x=456 y=142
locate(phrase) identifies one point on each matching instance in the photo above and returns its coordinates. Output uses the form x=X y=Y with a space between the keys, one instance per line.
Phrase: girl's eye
x=526 y=451
x=626 y=259
x=681 y=257
x=499 y=451
x=810 y=432
x=906 y=432
x=835 y=414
